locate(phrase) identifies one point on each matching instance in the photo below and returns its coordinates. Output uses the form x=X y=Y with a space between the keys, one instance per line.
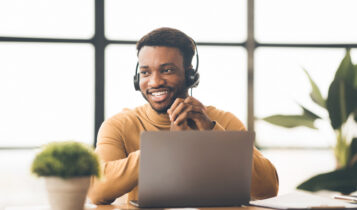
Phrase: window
x=304 y=21
x=204 y=21
x=62 y=75
x=46 y=81
x=281 y=85
x=42 y=18
x=46 y=93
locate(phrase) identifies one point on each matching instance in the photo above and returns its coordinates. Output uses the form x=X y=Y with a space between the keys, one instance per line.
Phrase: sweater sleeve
x=265 y=181
x=119 y=169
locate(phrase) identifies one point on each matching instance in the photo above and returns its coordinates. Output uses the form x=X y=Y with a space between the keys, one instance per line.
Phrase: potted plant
x=341 y=105
x=67 y=167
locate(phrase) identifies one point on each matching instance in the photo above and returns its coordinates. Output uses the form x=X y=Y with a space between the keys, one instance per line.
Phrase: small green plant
x=66 y=160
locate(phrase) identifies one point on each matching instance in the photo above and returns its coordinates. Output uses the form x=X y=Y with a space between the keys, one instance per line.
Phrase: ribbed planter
x=67 y=194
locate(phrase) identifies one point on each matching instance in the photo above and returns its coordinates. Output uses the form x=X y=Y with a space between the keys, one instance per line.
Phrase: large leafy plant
x=341 y=105
x=66 y=160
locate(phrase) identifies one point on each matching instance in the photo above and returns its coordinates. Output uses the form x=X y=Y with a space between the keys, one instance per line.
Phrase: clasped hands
x=189 y=114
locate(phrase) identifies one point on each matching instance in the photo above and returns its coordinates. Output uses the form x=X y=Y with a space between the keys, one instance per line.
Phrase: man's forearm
x=118 y=178
x=265 y=183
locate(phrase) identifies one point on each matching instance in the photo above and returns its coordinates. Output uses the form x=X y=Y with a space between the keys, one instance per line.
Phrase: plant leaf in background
x=291 y=121
x=309 y=113
x=315 y=92
x=346 y=69
x=342 y=180
x=352 y=154
x=355 y=78
x=335 y=103
x=342 y=94
x=355 y=87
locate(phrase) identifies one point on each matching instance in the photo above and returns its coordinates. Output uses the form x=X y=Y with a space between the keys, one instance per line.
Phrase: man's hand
x=189 y=113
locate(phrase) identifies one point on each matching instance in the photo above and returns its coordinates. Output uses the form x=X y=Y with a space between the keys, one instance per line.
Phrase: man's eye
x=167 y=70
x=144 y=73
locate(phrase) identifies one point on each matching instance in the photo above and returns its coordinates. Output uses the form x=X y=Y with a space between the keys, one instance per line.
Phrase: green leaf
x=342 y=96
x=341 y=102
x=336 y=110
x=315 y=92
x=309 y=113
x=342 y=180
x=355 y=77
x=352 y=153
x=346 y=69
x=290 y=121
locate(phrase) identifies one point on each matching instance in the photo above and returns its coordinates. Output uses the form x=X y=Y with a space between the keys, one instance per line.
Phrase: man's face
x=162 y=76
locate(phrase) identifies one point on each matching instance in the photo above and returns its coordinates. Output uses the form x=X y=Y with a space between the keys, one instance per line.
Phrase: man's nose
x=156 y=80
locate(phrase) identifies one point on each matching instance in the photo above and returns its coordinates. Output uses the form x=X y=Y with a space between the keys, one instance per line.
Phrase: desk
x=125 y=206
x=130 y=207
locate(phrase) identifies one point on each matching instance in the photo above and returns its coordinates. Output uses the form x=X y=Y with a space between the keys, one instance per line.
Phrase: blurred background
x=66 y=65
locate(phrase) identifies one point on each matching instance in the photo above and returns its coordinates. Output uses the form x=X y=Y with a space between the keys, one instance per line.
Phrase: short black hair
x=170 y=37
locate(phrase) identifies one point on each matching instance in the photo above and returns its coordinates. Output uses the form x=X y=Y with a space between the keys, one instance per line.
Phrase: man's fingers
x=183 y=116
x=193 y=101
x=174 y=105
x=189 y=112
x=179 y=110
x=182 y=126
x=190 y=109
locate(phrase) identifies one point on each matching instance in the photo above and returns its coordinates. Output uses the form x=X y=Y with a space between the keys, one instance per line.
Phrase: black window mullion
x=99 y=42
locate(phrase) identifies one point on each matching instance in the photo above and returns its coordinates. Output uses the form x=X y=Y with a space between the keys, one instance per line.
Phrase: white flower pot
x=67 y=194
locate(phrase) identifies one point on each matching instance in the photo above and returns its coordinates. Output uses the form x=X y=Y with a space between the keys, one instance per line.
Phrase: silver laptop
x=195 y=168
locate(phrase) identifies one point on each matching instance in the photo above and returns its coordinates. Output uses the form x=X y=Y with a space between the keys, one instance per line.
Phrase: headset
x=192 y=77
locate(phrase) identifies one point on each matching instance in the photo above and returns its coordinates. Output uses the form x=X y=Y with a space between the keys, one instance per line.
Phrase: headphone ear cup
x=196 y=80
x=136 y=78
x=192 y=78
x=136 y=82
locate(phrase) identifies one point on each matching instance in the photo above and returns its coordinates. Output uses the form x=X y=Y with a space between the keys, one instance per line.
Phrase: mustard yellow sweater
x=118 y=149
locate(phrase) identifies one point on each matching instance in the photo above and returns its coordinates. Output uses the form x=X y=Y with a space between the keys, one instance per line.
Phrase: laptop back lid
x=195 y=168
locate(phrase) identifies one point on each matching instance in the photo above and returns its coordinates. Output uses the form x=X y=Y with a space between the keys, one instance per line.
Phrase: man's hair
x=170 y=37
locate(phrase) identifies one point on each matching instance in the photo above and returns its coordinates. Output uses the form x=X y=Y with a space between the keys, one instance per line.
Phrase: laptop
x=194 y=168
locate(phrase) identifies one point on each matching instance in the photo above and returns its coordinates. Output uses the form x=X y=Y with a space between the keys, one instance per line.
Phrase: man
x=164 y=76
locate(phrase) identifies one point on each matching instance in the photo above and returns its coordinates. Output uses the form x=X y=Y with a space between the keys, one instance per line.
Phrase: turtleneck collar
x=160 y=120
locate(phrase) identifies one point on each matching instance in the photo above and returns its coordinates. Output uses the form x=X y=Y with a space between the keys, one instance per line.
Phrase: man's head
x=165 y=57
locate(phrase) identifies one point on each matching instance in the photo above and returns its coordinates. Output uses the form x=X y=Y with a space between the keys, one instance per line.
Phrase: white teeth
x=159 y=93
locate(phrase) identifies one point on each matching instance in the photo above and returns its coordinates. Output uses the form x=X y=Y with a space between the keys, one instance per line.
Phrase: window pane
x=218 y=21
x=46 y=93
x=300 y=21
x=42 y=18
x=120 y=65
x=222 y=79
x=281 y=84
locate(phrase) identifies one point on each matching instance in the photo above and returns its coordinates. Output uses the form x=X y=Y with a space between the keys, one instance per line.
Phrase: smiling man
x=164 y=76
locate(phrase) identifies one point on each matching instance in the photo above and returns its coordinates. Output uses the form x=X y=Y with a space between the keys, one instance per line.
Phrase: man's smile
x=159 y=95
